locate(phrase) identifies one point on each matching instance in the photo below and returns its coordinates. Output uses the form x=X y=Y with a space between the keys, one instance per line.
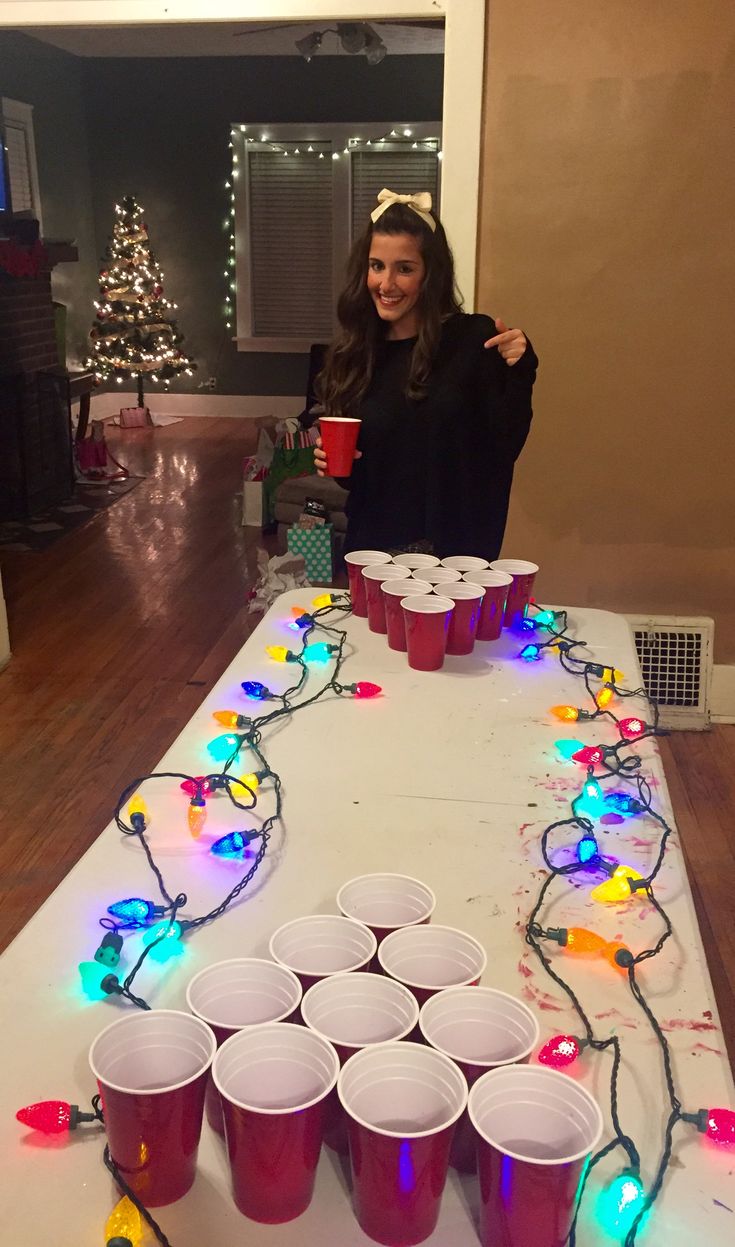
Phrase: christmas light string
x=626 y=1192
x=625 y=1201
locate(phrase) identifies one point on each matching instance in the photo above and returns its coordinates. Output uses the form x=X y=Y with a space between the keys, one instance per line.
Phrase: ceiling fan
x=355 y=37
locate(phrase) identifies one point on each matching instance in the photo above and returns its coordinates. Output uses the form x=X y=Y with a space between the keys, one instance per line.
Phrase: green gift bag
x=286 y=463
x=315 y=544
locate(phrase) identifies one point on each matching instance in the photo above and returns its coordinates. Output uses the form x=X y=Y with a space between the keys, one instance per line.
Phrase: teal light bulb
x=317 y=653
x=169 y=935
x=619 y=1204
x=92 y=974
x=222 y=747
x=568 y=747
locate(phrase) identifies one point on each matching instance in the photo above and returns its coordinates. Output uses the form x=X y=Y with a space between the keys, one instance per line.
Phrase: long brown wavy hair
x=348 y=368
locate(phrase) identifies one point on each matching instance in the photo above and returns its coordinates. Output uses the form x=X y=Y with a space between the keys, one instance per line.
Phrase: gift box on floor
x=315 y=544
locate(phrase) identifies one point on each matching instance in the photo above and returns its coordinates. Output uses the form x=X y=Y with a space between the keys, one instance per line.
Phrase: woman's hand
x=320 y=458
x=511 y=343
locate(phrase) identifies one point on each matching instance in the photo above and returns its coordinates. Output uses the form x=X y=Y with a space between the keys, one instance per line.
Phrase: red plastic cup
x=245 y=991
x=152 y=1069
x=524 y=575
x=480 y=1029
x=429 y=958
x=495 y=585
x=466 y=563
x=353 y=1011
x=386 y=902
x=393 y=592
x=274 y=1081
x=427 y=619
x=355 y=561
x=416 y=562
x=374 y=577
x=537 y=1129
x=318 y=945
x=339 y=442
x=402 y=1101
x=465 y=620
x=438 y=575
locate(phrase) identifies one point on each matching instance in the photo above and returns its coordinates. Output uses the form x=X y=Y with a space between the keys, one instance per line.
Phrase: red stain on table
x=687 y=1024
x=703 y=1047
x=609 y=1013
x=542 y=1000
x=524 y=969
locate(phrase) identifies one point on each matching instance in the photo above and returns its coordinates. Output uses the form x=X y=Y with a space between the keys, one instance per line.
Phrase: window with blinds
x=21 y=157
x=301 y=194
x=401 y=169
x=291 y=244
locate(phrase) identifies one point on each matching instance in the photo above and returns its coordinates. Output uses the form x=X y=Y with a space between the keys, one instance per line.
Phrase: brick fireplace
x=36 y=468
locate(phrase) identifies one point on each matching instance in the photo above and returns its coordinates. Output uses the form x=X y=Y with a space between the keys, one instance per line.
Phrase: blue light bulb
x=135 y=911
x=255 y=690
x=530 y=653
x=587 y=849
x=234 y=844
x=624 y=803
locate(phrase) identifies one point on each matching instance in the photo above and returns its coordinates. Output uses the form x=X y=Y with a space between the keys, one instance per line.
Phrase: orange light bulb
x=197 y=817
x=228 y=718
x=567 y=714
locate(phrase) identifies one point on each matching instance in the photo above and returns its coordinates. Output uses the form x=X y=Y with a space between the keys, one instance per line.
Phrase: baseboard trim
x=230 y=406
x=722 y=701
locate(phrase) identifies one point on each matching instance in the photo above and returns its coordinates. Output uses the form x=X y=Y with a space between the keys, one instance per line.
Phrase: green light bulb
x=619 y=1204
x=92 y=974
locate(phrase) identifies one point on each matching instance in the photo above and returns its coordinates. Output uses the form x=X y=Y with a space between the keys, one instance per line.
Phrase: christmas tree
x=133 y=335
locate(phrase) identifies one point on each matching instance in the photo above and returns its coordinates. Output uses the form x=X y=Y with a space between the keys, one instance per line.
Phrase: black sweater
x=440 y=469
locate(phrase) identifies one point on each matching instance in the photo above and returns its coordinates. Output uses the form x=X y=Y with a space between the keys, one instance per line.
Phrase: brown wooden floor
x=120 y=629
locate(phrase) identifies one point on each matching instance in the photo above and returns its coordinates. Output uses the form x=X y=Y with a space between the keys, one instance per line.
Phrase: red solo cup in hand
x=245 y=991
x=479 y=1028
x=438 y=575
x=495 y=585
x=353 y=1011
x=274 y=1081
x=537 y=1128
x=465 y=620
x=429 y=958
x=402 y=1101
x=524 y=575
x=339 y=442
x=466 y=563
x=152 y=1070
x=386 y=902
x=373 y=577
x=393 y=592
x=355 y=561
x=427 y=620
x=318 y=945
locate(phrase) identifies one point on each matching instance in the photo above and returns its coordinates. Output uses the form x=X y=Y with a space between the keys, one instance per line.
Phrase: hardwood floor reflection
x=120 y=629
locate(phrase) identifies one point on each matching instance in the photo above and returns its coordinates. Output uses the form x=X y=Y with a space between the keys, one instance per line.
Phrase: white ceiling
x=227 y=39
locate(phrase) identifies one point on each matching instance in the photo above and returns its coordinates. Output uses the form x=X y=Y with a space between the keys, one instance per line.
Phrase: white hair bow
x=420 y=203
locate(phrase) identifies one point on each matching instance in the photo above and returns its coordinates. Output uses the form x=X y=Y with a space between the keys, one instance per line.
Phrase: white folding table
x=450 y=776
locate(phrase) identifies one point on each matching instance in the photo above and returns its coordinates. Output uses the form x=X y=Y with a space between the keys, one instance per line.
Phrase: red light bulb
x=560 y=1051
x=632 y=729
x=49 y=1116
x=192 y=786
x=364 y=688
x=590 y=755
x=721 y=1126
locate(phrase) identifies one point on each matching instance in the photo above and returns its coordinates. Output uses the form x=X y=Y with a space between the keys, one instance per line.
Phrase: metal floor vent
x=676 y=663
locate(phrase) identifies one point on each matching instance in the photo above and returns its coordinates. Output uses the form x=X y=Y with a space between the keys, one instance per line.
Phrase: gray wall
x=159 y=128
x=51 y=81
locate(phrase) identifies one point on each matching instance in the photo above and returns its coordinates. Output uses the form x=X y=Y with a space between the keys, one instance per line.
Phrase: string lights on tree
x=134 y=334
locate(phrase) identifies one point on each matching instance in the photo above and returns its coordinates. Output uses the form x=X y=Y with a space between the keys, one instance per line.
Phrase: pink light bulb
x=721 y=1126
x=590 y=755
x=560 y=1051
x=632 y=729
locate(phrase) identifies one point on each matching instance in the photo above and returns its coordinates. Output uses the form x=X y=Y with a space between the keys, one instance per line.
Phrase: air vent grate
x=676 y=664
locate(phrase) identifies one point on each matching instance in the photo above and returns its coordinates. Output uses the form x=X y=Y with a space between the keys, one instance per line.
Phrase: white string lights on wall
x=401 y=137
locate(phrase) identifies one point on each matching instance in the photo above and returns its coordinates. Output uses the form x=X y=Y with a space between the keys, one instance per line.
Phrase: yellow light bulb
x=125 y=1222
x=250 y=780
x=612 y=675
x=324 y=599
x=137 y=805
x=278 y=652
x=617 y=887
x=604 y=697
x=228 y=718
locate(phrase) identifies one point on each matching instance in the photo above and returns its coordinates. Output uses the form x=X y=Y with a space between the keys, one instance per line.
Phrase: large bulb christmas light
x=279 y=653
x=324 y=599
x=632 y=729
x=624 y=803
x=200 y=784
x=561 y=1051
x=619 y=887
x=530 y=653
x=587 y=849
x=234 y=844
x=52 y=1116
x=568 y=748
x=124 y=1225
x=570 y=714
x=138 y=813
x=604 y=696
x=135 y=912
x=718 y=1124
x=256 y=691
x=363 y=689
x=230 y=718
x=589 y=755
x=319 y=652
x=222 y=747
x=196 y=816
x=581 y=942
x=620 y=1203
